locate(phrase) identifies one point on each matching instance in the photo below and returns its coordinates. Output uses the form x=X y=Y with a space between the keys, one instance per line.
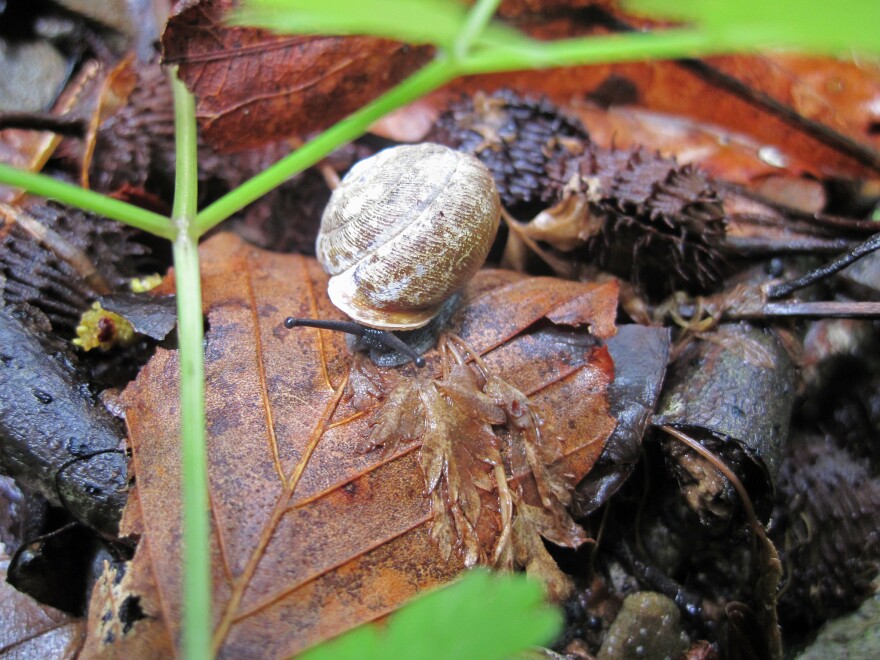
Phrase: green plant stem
x=87 y=200
x=434 y=75
x=477 y=20
x=531 y=54
x=196 y=569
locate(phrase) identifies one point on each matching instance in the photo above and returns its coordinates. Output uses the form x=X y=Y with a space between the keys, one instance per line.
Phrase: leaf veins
x=494 y=478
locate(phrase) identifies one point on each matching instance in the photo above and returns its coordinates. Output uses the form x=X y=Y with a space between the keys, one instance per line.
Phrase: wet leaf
x=252 y=87
x=150 y=316
x=31 y=630
x=640 y=354
x=124 y=617
x=307 y=545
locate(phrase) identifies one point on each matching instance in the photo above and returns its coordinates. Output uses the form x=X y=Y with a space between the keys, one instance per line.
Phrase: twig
x=43 y=121
x=785 y=288
x=817 y=310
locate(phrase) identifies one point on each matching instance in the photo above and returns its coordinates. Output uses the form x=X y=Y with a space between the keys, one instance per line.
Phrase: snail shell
x=407 y=228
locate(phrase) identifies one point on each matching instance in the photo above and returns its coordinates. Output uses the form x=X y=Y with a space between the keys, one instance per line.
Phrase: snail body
x=405 y=230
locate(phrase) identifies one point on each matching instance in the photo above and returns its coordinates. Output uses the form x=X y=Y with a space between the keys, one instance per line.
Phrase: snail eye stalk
x=369 y=337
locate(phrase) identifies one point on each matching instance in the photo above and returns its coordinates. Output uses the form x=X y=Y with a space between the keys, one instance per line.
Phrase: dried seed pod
x=516 y=138
x=59 y=259
x=662 y=223
x=404 y=231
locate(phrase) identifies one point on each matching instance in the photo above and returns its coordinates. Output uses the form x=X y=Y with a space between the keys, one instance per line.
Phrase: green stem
x=477 y=20
x=196 y=569
x=429 y=78
x=87 y=200
x=531 y=54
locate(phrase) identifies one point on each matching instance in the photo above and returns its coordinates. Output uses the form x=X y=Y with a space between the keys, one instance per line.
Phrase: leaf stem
x=532 y=54
x=477 y=20
x=434 y=75
x=196 y=570
x=87 y=200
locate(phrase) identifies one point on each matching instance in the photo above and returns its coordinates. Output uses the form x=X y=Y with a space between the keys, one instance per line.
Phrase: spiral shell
x=407 y=228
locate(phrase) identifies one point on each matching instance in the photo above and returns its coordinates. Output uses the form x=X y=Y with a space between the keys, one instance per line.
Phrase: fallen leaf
x=124 y=617
x=312 y=536
x=253 y=87
x=31 y=630
x=640 y=354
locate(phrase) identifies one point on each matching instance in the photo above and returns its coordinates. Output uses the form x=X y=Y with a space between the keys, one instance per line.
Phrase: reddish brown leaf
x=253 y=87
x=307 y=547
x=31 y=630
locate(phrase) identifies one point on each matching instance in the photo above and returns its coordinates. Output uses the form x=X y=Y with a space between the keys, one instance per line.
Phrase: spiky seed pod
x=516 y=138
x=663 y=222
x=41 y=242
x=660 y=223
x=135 y=144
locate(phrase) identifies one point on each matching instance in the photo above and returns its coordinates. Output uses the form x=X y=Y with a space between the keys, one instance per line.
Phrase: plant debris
x=640 y=215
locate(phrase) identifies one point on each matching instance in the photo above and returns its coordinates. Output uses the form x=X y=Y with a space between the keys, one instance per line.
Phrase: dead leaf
x=253 y=87
x=640 y=354
x=31 y=630
x=298 y=561
x=124 y=617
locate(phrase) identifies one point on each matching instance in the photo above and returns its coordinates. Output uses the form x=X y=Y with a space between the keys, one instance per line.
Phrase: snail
x=404 y=232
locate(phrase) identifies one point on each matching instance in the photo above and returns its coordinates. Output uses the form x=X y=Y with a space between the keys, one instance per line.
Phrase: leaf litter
x=311 y=533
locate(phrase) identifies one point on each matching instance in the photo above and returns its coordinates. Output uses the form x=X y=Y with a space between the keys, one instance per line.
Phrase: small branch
x=785 y=288
x=817 y=310
x=758 y=245
x=43 y=121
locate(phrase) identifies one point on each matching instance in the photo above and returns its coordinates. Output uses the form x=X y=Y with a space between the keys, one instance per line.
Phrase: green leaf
x=437 y=22
x=483 y=615
x=826 y=26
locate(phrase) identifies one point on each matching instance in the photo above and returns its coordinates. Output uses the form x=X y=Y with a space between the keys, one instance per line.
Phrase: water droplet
x=42 y=397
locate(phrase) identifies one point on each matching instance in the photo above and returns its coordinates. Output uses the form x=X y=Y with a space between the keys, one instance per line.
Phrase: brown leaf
x=252 y=87
x=31 y=630
x=310 y=535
